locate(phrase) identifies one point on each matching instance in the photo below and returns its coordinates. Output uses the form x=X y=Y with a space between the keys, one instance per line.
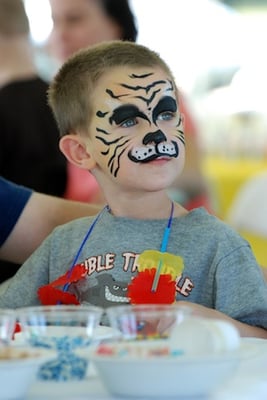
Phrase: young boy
x=117 y=108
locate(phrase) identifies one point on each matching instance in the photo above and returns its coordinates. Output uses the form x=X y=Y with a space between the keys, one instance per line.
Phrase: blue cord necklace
x=66 y=286
x=163 y=248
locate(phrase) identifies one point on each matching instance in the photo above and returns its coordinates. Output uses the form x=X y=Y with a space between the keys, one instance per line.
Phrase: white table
x=249 y=383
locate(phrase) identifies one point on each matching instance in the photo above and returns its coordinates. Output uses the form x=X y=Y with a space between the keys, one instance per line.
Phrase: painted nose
x=154 y=137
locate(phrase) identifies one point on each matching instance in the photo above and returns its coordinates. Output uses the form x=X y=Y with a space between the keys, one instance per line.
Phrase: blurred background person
x=29 y=152
x=86 y=22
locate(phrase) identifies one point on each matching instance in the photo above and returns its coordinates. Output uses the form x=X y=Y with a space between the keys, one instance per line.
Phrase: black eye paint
x=125 y=112
x=165 y=104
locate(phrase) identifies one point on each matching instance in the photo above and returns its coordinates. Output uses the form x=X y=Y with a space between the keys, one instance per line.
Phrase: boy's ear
x=74 y=149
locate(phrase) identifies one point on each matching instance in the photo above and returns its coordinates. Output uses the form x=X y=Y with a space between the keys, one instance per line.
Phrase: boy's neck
x=150 y=207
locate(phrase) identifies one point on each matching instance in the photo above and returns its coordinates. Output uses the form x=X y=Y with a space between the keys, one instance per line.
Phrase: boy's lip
x=159 y=160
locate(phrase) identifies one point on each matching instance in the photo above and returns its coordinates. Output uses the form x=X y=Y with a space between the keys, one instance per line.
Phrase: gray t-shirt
x=220 y=270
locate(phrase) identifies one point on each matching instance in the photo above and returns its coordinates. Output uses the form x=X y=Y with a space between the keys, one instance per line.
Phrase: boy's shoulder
x=81 y=224
x=205 y=220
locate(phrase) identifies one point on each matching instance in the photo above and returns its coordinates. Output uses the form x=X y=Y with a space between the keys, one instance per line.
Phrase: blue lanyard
x=163 y=248
x=66 y=286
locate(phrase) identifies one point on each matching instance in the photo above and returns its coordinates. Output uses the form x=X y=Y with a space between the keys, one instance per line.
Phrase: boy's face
x=136 y=133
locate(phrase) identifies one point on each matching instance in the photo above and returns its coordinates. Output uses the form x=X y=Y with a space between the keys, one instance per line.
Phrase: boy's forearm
x=245 y=330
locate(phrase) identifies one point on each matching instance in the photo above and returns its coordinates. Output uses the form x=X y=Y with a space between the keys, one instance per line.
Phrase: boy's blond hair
x=71 y=93
x=13 y=18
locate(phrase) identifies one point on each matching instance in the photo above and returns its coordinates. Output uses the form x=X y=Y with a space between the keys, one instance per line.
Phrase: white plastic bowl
x=18 y=370
x=165 y=351
x=64 y=329
x=164 y=377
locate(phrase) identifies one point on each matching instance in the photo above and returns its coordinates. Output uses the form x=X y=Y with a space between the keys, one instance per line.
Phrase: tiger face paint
x=136 y=121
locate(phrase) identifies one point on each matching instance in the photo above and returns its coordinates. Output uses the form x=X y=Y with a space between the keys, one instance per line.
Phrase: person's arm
x=39 y=217
x=245 y=330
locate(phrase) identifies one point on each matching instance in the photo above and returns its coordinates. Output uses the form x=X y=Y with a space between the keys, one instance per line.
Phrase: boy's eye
x=166 y=116
x=129 y=123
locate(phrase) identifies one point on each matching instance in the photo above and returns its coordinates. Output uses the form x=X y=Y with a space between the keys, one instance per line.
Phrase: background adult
x=86 y=22
x=29 y=153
